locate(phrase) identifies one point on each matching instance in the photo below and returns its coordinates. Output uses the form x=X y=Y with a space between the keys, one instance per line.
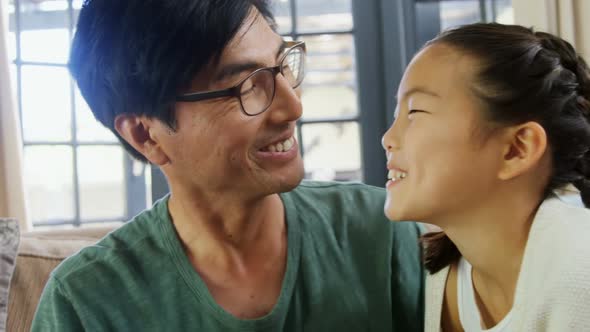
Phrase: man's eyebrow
x=238 y=68
x=417 y=90
x=235 y=69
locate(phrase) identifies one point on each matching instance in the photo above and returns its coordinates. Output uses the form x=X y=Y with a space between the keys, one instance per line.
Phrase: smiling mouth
x=396 y=176
x=283 y=146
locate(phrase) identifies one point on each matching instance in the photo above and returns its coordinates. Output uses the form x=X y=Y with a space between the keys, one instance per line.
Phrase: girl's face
x=440 y=158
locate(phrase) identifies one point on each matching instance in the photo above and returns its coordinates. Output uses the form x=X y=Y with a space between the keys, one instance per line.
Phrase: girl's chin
x=393 y=214
x=397 y=213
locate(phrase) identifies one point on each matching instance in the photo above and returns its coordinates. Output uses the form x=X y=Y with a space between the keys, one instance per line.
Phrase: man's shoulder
x=116 y=249
x=336 y=200
x=339 y=187
x=331 y=194
x=354 y=206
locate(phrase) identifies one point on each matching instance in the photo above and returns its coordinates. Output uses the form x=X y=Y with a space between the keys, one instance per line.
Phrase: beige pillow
x=8 y=248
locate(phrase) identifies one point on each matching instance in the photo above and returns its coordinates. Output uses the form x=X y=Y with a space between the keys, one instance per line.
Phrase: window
x=331 y=113
x=455 y=12
x=426 y=18
x=75 y=171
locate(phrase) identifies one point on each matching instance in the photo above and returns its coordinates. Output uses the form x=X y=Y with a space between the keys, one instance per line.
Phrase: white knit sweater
x=553 y=288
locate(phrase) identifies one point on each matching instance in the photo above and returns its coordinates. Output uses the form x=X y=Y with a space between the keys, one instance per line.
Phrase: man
x=209 y=92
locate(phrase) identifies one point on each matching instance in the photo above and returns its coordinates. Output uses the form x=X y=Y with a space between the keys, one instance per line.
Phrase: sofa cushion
x=9 y=239
x=39 y=254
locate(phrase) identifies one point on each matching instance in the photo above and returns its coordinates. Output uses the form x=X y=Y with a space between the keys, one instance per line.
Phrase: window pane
x=330 y=60
x=44 y=34
x=504 y=11
x=77 y=4
x=324 y=15
x=49 y=183
x=329 y=88
x=45 y=45
x=46 y=104
x=102 y=182
x=332 y=151
x=329 y=102
x=457 y=12
x=88 y=128
x=282 y=12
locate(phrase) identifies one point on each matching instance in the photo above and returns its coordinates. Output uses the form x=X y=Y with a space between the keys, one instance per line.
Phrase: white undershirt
x=469 y=314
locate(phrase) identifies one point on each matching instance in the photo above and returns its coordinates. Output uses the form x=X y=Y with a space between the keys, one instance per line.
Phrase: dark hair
x=526 y=76
x=134 y=56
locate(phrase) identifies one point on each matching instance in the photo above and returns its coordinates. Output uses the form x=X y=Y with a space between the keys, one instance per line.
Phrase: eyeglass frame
x=235 y=91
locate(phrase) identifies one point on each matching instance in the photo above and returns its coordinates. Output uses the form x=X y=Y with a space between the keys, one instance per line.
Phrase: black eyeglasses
x=257 y=91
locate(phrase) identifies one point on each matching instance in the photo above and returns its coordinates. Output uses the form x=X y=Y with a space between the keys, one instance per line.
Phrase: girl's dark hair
x=134 y=56
x=526 y=76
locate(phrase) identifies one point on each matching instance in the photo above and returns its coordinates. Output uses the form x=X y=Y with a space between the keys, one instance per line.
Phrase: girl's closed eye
x=412 y=113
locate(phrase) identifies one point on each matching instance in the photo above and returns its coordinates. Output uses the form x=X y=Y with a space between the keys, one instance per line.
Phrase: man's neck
x=237 y=246
x=225 y=225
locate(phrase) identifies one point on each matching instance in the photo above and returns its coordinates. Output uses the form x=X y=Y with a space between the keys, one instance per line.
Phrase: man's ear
x=525 y=145
x=139 y=132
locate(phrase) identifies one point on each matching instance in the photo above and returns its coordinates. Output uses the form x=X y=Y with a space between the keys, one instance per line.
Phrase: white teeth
x=396 y=175
x=288 y=144
x=282 y=146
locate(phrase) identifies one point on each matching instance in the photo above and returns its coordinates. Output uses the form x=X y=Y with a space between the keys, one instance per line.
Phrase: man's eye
x=249 y=90
x=248 y=85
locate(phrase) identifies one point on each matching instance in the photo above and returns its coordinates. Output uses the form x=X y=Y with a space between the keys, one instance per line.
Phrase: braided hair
x=526 y=76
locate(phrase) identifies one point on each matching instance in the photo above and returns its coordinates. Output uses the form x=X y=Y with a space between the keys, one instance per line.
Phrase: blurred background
x=75 y=172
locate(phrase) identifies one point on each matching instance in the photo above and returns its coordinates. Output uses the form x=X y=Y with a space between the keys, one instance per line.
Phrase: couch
x=38 y=254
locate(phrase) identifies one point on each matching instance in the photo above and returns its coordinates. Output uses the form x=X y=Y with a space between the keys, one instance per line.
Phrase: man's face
x=218 y=148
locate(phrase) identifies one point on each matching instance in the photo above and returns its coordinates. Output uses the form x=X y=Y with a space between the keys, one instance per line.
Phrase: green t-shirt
x=348 y=269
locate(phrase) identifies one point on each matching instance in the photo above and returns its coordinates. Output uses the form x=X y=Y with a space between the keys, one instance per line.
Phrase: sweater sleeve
x=55 y=311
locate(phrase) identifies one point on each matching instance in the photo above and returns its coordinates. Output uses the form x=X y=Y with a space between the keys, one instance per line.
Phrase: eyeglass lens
x=257 y=92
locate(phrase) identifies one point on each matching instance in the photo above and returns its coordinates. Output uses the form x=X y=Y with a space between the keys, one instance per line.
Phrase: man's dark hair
x=135 y=56
x=527 y=76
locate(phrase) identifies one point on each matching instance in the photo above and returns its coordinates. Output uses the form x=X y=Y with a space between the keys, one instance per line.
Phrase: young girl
x=491 y=121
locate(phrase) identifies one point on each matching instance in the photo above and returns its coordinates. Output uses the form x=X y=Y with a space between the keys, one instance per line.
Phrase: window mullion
x=74 y=139
x=293 y=18
x=483 y=11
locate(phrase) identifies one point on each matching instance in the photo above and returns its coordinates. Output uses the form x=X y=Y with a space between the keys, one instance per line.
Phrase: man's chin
x=276 y=180
x=291 y=181
x=287 y=179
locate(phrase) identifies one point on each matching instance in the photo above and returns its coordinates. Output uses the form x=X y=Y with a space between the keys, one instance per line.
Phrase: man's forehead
x=255 y=40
